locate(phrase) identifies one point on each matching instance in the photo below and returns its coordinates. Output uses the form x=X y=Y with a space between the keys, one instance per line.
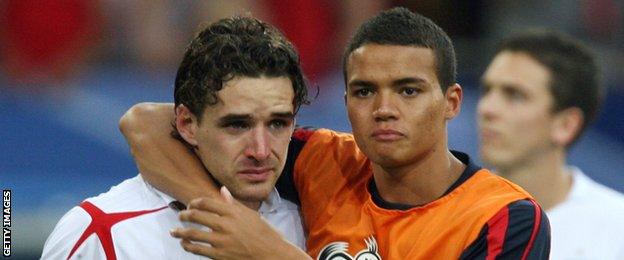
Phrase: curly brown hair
x=231 y=47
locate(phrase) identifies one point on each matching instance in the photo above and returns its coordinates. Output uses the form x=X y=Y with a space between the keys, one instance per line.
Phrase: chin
x=496 y=160
x=388 y=160
x=488 y=153
x=254 y=192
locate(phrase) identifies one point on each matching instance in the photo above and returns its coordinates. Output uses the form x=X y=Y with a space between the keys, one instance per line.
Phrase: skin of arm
x=164 y=161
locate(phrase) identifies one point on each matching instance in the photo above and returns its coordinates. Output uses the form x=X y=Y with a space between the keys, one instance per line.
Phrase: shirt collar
x=270 y=205
x=170 y=201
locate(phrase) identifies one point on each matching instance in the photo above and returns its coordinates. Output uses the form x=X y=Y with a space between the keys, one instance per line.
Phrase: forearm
x=289 y=251
x=163 y=161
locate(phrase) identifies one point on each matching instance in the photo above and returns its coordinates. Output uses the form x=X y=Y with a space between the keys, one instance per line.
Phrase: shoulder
x=318 y=144
x=320 y=135
x=590 y=191
x=520 y=217
x=130 y=195
x=487 y=190
x=479 y=181
x=519 y=230
x=524 y=211
x=588 y=224
x=81 y=230
x=585 y=199
x=68 y=229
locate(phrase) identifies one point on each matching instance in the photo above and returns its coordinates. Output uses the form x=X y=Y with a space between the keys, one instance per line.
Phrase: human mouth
x=387 y=135
x=487 y=134
x=256 y=174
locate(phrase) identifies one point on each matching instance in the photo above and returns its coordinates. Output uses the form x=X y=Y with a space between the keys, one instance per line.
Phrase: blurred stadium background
x=71 y=68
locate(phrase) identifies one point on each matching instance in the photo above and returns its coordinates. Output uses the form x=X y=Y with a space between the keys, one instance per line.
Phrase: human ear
x=567 y=125
x=186 y=124
x=453 y=96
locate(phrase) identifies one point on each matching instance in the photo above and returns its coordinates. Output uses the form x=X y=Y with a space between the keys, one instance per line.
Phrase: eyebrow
x=247 y=117
x=234 y=117
x=360 y=83
x=288 y=115
x=483 y=83
x=398 y=82
x=409 y=80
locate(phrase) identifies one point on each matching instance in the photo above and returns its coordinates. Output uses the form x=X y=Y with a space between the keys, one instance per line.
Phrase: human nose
x=488 y=105
x=384 y=108
x=258 y=148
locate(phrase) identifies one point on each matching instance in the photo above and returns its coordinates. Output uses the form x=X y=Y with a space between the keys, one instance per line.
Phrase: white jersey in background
x=589 y=224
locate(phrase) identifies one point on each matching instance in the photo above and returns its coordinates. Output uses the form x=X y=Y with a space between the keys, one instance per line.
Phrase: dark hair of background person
x=575 y=77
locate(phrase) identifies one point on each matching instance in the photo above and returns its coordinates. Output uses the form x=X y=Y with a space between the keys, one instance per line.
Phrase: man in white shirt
x=237 y=91
x=133 y=220
x=539 y=93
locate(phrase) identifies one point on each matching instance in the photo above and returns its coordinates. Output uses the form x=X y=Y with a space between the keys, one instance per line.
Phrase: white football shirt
x=133 y=219
x=589 y=224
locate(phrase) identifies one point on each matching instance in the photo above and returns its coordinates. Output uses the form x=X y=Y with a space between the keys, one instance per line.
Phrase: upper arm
x=164 y=162
x=520 y=230
x=66 y=235
x=145 y=118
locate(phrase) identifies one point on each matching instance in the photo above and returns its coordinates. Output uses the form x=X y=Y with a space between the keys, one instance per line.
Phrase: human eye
x=237 y=125
x=362 y=92
x=514 y=95
x=409 y=91
x=279 y=123
x=484 y=90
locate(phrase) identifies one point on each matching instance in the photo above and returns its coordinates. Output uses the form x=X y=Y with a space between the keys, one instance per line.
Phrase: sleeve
x=66 y=235
x=518 y=231
x=285 y=184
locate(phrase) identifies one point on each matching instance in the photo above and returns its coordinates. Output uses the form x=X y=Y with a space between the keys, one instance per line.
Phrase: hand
x=237 y=232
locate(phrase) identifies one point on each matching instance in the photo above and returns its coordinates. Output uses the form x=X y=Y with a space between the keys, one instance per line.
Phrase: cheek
x=540 y=130
x=530 y=131
x=357 y=116
x=219 y=150
x=428 y=121
x=279 y=144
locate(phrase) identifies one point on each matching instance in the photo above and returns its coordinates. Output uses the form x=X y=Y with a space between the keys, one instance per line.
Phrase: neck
x=421 y=182
x=255 y=205
x=544 y=176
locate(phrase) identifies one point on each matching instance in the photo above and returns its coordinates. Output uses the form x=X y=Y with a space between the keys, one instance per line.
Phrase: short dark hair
x=400 y=26
x=575 y=77
x=231 y=47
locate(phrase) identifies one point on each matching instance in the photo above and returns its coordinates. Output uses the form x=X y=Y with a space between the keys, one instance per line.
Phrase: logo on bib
x=338 y=251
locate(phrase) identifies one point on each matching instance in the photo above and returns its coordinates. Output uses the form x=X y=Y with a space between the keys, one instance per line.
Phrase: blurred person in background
x=237 y=91
x=538 y=95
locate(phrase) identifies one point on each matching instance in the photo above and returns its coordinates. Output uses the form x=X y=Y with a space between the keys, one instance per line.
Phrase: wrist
x=286 y=250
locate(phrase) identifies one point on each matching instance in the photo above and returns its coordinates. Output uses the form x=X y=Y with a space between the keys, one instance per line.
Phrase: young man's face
x=243 y=139
x=515 y=110
x=395 y=105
